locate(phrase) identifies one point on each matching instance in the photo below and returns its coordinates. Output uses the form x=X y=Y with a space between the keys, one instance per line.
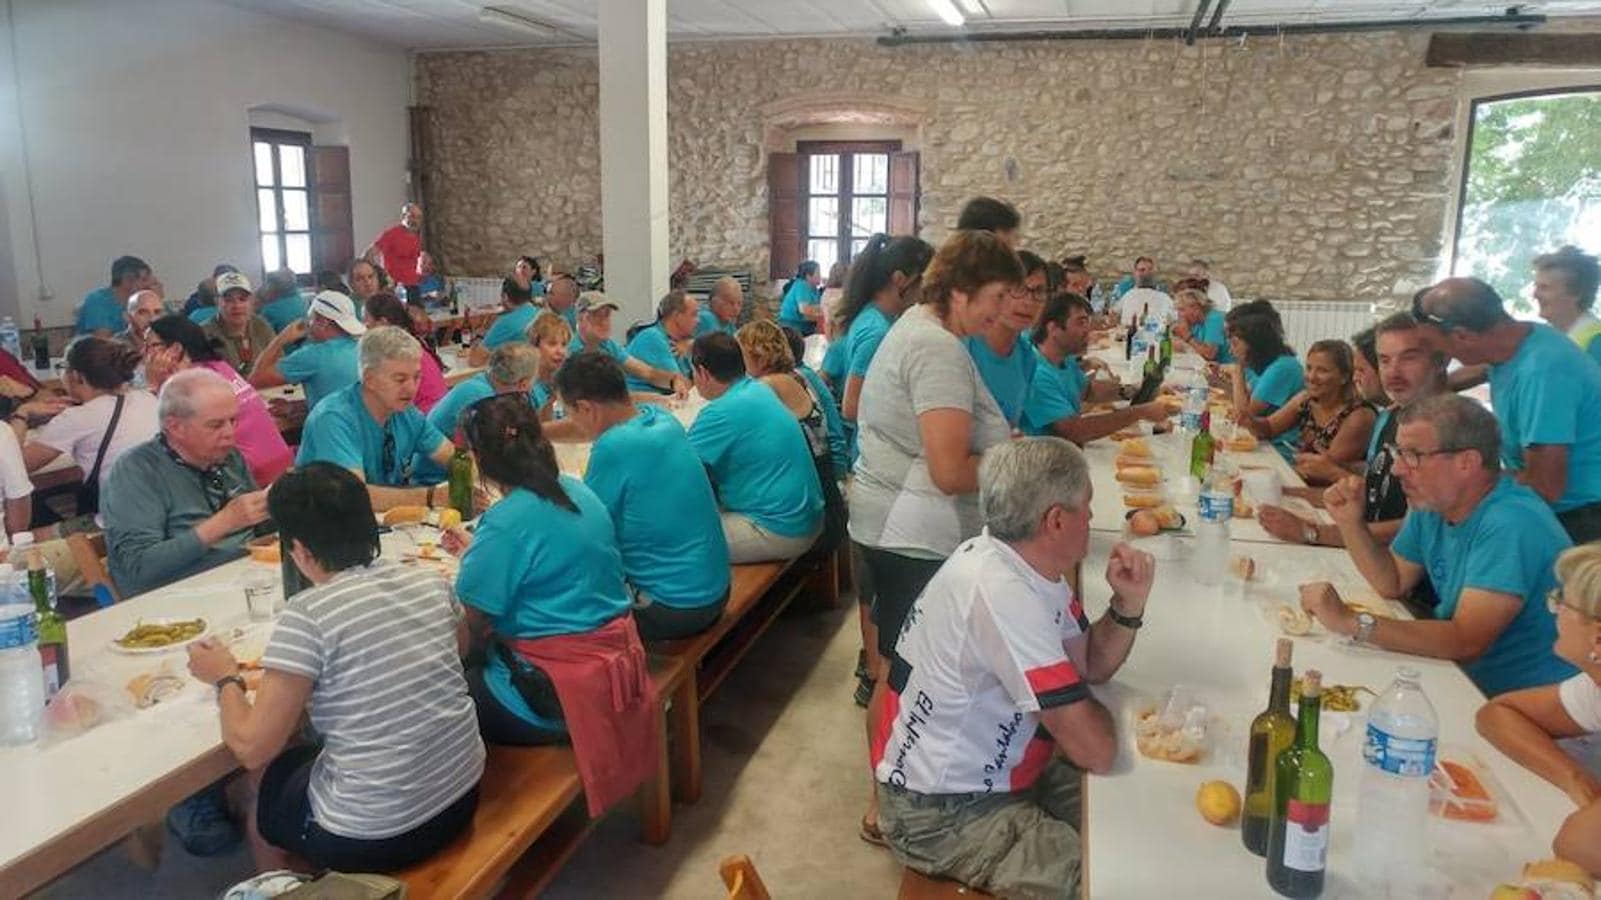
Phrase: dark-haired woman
x=175 y=344
x=371 y=652
x=98 y=377
x=1267 y=375
x=802 y=305
x=543 y=562
x=882 y=284
x=529 y=275
x=1333 y=423
x=386 y=309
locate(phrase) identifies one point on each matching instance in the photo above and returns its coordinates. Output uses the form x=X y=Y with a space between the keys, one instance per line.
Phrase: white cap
x=338 y=309
x=232 y=281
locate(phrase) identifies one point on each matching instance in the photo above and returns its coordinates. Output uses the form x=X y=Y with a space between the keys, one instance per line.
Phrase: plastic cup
x=261 y=595
x=1263 y=487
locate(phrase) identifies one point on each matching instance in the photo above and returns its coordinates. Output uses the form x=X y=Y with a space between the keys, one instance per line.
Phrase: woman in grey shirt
x=924 y=420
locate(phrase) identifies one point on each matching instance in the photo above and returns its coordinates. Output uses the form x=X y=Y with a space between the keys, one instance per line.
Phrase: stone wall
x=1313 y=167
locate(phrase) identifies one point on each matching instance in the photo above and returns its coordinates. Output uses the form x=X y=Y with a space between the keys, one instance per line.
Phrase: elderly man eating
x=184 y=501
x=721 y=312
x=992 y=722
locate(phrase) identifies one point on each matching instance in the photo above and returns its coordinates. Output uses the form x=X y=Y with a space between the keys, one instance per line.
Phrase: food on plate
x=1218 y=802
x=1157 y=740
x=1128 y=462
x=1135 y=446
x=1168 y=517
x=1142 y=500
x=1240 y=442
x=1552 y=879
x=1242 y=567
x=1144 y=523
x=1141 y=476
x=449 y=518
x=144 y=636
x=1336 y=697
x=151 y=688
x=406 y=515
x=1294 y=621
x=426 y=550
x=1457 y=793
x=1243 y=509
x=265 y=549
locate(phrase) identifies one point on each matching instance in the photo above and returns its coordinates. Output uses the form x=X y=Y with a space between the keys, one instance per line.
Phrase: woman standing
x=926 y=419
x=883 y=281
x=1332 y=422
x=386 y=309
x=802 y=304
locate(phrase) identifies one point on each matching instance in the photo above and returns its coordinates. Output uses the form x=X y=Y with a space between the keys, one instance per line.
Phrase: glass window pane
x=857 y=246
x=270 y=261
x=263 y=162
x=869 y=175
x=299 y=251
x=296 y=218
x=869 y=216
x=292 y=164
x=826 y=252
x=824 y=174
x=822 y=216
x=266 y=210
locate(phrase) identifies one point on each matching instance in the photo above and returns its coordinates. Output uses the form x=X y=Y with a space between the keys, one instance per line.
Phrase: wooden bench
x=917 y=886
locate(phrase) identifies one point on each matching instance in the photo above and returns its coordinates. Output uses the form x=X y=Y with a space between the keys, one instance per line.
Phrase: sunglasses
x=1428 y=318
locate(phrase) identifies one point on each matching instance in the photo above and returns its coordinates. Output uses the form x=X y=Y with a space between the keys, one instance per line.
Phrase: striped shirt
x=400 y=737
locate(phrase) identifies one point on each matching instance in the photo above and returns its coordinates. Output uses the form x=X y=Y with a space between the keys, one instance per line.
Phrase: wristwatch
x=1132 y=623
x=1364 y=627
x=1308 y=533
x=230 y=679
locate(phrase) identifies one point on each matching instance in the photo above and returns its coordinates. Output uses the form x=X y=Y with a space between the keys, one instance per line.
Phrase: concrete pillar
x=633 y=154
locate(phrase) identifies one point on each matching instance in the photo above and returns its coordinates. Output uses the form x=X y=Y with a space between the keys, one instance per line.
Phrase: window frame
x=278 y=137
x=845 y=190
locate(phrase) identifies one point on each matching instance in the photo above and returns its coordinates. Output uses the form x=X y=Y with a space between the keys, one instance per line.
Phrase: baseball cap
x=338 y=309
x=589 y=300
x=232 y=281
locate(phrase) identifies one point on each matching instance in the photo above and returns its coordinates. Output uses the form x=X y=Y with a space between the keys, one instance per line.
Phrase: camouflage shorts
x=1023 y=845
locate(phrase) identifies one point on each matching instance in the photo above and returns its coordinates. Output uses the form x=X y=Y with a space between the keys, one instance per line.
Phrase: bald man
x=398 y=249
x=1546 y=393
x=721 y=312
x=144 y=307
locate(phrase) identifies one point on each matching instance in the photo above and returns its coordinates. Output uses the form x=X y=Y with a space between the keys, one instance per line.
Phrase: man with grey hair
x=183 y=501
x=1201 y=270
x=398 y=249
x=992 y=723
x=144 y=307
x=722 y=309
x=1487 y=543
x=561 y=298
x=372 y=428
x=511 y=370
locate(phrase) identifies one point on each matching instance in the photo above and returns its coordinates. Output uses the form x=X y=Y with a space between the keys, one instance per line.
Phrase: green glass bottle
x=1303 y=784
x=1167 y=346
x=52 y=628
x=1152 y=367
x=1271 y=731
x=1202 y=448
x=461 y=482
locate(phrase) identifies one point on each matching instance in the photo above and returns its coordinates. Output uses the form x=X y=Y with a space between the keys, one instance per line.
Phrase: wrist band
x=230 y=679
x=1132 y=623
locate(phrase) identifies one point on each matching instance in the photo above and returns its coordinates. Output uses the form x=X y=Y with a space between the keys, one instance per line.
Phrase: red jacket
x=602 y=679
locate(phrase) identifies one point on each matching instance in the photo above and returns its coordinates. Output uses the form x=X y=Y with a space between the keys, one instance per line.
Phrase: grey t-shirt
x=400 y=737
x=894 y=504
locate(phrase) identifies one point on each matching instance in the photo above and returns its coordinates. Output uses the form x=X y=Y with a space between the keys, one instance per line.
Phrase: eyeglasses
x=1414 y=458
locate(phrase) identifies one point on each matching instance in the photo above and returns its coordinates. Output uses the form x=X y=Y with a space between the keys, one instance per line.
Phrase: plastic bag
x=80 y=706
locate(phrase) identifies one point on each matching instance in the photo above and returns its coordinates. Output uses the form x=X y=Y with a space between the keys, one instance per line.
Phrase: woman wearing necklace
x=1333 y=420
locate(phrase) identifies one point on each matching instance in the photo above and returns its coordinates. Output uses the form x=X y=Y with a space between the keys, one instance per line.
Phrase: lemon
x=1218 y=802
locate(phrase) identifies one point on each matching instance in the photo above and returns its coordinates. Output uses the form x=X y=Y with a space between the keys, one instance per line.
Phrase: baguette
x=1142 y=501
x=1140 y=476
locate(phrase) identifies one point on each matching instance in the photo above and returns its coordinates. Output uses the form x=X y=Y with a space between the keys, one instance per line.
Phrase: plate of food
x=1240 y=442
x=160 y=634
x=1146 y=522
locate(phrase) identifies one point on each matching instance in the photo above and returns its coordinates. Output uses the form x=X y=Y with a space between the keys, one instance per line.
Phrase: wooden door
x=786 y=246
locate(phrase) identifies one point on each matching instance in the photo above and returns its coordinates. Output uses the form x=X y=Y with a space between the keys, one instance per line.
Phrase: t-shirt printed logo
x=917 y=714
x=1005 y=733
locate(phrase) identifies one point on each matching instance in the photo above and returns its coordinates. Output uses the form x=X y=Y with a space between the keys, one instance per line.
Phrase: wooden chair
x=739 y=876
x=89 y=552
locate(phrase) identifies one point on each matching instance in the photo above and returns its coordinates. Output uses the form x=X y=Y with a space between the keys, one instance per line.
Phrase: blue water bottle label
x=1216 y=506
x=1190 y=421
x=19 y=630
x=1398 y=755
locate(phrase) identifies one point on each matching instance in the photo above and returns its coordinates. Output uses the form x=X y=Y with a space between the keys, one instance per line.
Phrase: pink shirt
x=430 y=383
x=255 y=433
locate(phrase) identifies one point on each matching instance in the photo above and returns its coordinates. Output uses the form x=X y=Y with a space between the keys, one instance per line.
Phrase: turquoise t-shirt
x=861 y=342
x=799 y=293
x=1007 y=377
x=101 y=310
x=1593 y=347
x=443 y=417
x=510 y=326
x=536 y=569
x=1508 y=544
x=341 y=431
x=288 y=308
x=540 y=394
x=835 y=359
x=838 y=439
x=652 y=347
x=322 y=367
x=608 y=347
x=1211 y=331
x=1549 y=392
x=707 y=322
x=1379 y=423
x=668 y=527
x=1056 y=393
x=772 y=480
x=203 y=314
x=1281 y=380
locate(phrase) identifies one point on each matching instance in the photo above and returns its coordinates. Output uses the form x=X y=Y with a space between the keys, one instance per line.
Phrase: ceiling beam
x=1501 y=49
x=1195 y=22
x=899 y=37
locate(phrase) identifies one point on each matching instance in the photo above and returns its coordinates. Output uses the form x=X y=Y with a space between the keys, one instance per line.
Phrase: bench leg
x=824 y=583
x=143 y=845
x=685 y=723
x=655 y=796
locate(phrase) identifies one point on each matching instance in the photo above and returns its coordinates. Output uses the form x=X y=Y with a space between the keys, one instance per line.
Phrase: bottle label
x=1411 y=757
x=1306 y=836
x=19 y=631
x=1190 y=421
x=50 y=654
x=1216 y=506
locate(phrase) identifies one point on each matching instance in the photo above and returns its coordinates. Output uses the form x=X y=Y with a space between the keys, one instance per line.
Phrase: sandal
x=872 y=835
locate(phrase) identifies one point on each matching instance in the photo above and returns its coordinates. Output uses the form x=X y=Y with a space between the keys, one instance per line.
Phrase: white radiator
x=478 y=293
x=1308 y=321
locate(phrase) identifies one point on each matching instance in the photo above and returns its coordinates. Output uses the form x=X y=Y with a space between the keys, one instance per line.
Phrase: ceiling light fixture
x=947 y=10
x=491 y=15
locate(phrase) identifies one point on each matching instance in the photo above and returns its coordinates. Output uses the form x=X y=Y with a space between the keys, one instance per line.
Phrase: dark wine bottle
x=1303 y=784
x=1271 y=731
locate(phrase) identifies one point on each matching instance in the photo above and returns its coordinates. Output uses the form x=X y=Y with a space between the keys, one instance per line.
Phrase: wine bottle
x=1271 y=731
x=1202 y=448
x=461 y=482
x=1152 y=367
x=1303 y=783
x=52 y=627
x=1167 y=346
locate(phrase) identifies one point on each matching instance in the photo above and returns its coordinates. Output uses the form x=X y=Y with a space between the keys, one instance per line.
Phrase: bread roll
x=1242 y=567
x=406 y=515
x=1142 y=501
x=1140 y=476
x=1136 y=446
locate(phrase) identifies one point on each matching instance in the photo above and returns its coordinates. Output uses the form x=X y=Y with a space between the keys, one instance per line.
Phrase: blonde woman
x=768 y=359
x=550 y=334
x=1200 y=327
x=1526 y=724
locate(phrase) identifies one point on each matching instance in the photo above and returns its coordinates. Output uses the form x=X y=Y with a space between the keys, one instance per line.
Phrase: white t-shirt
x=1581 y=697
x=14 y=481
x=1219 y=295
x=78 y=430
x=1136 y=301
x=983 y=650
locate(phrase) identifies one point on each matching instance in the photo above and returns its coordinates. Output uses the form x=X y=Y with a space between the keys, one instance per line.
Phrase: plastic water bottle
x=400 y=292
x=1393 y=800
x=1215 y=509
x=1196 y=395
x=11 y=338
x=21 y=675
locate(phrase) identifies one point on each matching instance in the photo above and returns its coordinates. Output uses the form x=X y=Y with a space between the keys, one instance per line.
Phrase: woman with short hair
x=801 y=308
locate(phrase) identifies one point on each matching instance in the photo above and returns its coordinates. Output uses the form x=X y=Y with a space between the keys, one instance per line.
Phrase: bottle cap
x=1311 y=684
x=1281 y=653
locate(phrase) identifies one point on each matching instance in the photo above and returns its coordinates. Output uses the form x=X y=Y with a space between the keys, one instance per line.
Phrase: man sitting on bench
x=989 y=686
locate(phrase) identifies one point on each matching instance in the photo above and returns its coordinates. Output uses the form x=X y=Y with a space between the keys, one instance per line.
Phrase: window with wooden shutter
x=903 y=193
x=333 y=242
x=785 y=249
